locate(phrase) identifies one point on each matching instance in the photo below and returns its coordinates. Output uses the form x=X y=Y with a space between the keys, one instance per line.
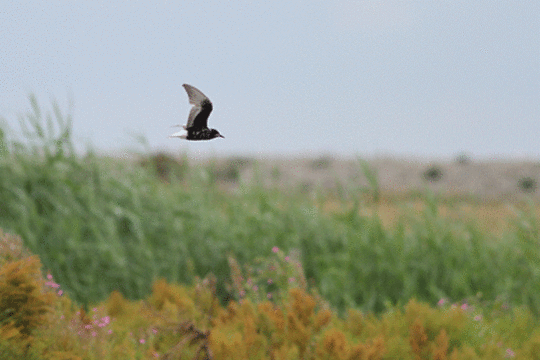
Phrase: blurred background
x=301 y=78
x=375 y=152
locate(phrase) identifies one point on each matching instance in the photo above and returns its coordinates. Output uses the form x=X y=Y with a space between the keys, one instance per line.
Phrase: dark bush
x=527 y=184
x=463 y=159
x=433 y=173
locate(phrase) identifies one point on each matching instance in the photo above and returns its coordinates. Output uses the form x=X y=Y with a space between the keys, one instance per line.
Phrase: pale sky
x=423 y=78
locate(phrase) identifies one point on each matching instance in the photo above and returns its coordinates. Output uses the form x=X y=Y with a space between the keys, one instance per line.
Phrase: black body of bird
x=197 y=124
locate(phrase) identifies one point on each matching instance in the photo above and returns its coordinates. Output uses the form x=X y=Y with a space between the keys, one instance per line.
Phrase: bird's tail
x=180 y=134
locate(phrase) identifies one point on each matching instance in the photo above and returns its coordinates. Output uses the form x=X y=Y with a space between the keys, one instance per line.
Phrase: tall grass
x=105 y=224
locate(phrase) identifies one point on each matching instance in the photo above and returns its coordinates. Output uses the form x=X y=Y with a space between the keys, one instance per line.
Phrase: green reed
x=101 y=224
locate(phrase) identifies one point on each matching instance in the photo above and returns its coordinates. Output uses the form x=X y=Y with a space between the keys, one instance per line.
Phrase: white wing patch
x=180 y=134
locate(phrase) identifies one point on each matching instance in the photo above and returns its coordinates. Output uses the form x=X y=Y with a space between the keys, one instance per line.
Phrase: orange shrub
x=24 y=304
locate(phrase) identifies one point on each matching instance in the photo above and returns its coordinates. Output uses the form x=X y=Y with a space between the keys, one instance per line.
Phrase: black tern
x=197 y=124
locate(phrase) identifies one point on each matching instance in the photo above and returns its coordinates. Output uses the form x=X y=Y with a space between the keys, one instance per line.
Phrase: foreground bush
x=189 y=322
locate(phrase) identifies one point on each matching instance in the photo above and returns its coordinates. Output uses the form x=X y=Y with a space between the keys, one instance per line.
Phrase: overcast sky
x=427 y=78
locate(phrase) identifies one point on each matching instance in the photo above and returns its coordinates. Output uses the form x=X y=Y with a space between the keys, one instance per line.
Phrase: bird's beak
x=221 y=136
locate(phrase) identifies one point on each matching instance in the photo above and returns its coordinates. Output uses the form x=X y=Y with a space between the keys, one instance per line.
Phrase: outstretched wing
x=202 y=107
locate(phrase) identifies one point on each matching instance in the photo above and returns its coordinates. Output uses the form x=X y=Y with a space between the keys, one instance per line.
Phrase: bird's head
x=214 y=134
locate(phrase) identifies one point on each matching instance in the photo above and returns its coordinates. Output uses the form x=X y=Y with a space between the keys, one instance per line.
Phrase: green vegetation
x=103 y=224
x=188 y=322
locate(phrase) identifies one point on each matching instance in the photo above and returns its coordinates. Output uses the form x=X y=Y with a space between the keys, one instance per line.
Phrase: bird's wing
x=202 y=107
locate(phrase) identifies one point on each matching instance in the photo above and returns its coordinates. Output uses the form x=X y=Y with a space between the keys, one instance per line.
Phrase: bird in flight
x=197 y=124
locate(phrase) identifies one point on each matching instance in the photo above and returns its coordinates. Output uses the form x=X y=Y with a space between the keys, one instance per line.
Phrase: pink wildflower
x=510 y=353
x=60 y=292
x=441 y=302
x=49 y=276
x=52 y=284
x=286 y=258
x=154 y=331
x=142 y=341
x=275 y=249
x=94 y=334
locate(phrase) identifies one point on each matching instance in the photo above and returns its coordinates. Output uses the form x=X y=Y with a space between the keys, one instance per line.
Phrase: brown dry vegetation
x=487 y=192
x=493 y=217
